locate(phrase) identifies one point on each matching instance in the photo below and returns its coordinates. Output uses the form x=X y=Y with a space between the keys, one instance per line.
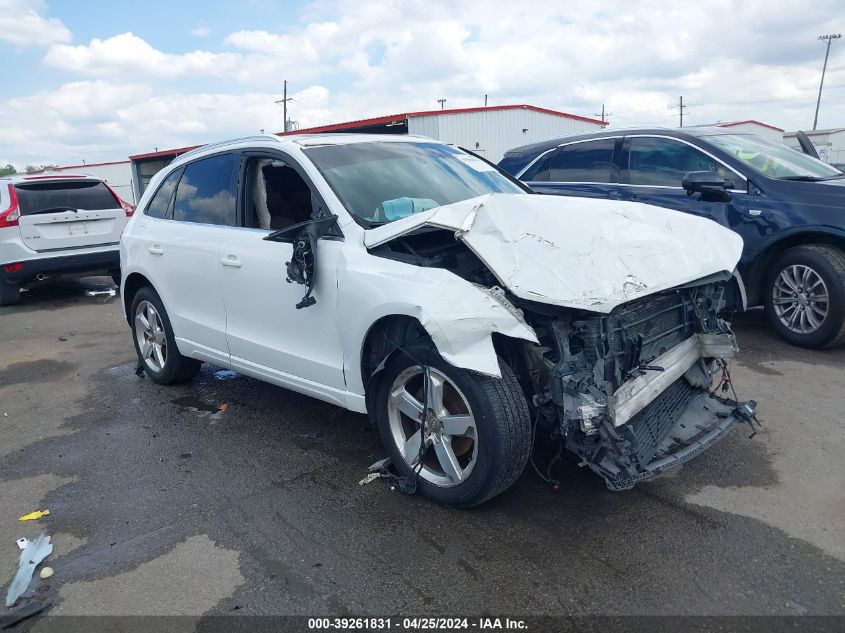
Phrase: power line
x=829 y=39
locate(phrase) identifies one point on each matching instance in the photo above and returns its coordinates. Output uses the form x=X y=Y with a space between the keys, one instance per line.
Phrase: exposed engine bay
x=630 y=392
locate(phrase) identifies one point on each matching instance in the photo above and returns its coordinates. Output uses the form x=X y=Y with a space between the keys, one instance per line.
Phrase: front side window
x=589 y=161
x=276 y=196
x=663 y=162
x=204 y=194
x=160 y=204
x=775 y=160
x=384 y=181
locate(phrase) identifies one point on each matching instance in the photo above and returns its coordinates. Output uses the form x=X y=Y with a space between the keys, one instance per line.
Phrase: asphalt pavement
x=227 y=495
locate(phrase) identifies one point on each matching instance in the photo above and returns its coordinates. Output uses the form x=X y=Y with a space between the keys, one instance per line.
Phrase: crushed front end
x=632 y=392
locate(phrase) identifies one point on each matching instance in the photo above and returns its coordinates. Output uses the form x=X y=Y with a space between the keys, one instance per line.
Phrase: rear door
x=68 y=214
x=580 y=168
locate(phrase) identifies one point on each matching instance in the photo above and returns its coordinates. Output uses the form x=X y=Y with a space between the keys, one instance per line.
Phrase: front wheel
x=805 y=296
x=469 y=443
x=155 y=343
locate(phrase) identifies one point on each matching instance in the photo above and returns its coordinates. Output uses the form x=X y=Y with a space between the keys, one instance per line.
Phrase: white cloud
x=22 y=23
x=200 y=31
x=349 y=60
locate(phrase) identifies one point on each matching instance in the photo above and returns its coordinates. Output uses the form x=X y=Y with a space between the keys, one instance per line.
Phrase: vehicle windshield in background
x=774 y=160
x=49 y=197
x=383 y=182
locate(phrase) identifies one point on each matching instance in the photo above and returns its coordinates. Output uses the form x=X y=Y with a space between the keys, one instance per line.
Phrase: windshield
x=775 y=160
x=383 y=182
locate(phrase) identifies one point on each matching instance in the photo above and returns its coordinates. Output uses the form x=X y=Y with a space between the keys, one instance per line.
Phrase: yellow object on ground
x=46 y=572
x=34 y=515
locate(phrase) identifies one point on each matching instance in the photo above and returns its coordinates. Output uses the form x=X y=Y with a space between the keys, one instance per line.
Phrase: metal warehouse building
x=488 y=131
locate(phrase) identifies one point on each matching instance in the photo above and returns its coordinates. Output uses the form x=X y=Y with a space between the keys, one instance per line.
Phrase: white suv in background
x=413 y=281
x=51 y=225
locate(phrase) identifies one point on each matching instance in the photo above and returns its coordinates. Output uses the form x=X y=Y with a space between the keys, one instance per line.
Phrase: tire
x=10 y=294
x=175 y=367
x=815 y=324
x=489 y=457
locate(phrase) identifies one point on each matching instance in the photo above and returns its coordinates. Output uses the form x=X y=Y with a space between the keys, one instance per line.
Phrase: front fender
x=460 y=317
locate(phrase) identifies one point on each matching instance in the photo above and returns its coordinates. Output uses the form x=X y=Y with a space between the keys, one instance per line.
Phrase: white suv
x=413 y=281
x=51 y=225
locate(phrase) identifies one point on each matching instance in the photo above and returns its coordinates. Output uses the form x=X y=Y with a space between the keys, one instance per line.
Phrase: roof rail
x=254 y=137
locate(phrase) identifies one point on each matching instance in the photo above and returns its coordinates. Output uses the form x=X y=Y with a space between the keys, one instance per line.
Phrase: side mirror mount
x=302 y=267
x=707 y=183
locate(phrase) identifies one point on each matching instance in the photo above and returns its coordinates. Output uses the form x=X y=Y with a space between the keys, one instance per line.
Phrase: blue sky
x=97 y=81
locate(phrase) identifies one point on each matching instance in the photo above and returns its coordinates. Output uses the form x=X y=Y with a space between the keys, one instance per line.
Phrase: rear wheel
x=805 y=296
x=155 y=343
x=472 y=439
x=10 y=294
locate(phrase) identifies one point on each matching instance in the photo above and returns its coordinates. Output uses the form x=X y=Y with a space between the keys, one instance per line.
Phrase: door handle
x=156 y=250
x=231 y=261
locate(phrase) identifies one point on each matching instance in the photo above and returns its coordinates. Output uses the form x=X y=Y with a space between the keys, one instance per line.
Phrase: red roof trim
x=165 y=152
x=752 y=121
x=400 y=118
x=83 y=165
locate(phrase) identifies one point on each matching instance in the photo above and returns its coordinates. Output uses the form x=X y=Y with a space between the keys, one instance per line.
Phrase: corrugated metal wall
x=492 y=132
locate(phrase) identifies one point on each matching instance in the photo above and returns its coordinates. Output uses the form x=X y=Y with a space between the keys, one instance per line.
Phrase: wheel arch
x=134 y=282
x=757 y=274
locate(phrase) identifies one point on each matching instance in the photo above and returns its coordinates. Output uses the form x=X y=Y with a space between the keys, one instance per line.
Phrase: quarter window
x=580 y=162
x=160 y=204
x=663 y=162
x=204 y=194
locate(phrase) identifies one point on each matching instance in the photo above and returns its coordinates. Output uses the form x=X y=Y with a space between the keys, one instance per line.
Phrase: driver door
x=268 y=336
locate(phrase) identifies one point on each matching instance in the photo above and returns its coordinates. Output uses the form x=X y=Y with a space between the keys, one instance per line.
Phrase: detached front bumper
x=644 y=448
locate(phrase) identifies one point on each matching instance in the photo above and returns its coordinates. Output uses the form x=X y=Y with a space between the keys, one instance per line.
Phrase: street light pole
x=829 y=39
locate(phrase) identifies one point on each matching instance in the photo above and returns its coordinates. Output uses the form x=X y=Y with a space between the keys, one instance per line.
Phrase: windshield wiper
x=51 y=210
x=804 y=178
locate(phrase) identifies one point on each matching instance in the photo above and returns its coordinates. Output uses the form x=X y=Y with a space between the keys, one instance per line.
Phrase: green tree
x=8 y=170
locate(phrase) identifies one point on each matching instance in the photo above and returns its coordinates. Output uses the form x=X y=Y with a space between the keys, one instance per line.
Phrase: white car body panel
x=579 y=253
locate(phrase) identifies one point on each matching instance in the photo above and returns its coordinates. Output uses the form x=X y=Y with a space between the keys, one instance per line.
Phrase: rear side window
x=205 y=193
x=663 y=162
x=580 y=162
x=55 y=197
x=160 y=203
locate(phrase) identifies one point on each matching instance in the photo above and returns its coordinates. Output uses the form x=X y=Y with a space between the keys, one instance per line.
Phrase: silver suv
x=51 y=225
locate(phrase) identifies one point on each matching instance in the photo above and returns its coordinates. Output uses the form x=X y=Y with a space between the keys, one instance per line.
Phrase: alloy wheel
x=800 y=299
x=149 y=333
x=440 y=440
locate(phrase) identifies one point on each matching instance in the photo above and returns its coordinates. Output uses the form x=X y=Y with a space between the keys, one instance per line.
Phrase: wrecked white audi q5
x=410 y=280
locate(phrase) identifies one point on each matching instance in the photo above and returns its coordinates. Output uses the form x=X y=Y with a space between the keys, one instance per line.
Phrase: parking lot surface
x=227 y=495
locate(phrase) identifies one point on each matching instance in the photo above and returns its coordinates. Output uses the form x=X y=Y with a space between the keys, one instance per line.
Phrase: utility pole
x=485 y=100
x=829 y=39
x=681 y=108
x=284 y=101
x=603 y=114
x=441 y=102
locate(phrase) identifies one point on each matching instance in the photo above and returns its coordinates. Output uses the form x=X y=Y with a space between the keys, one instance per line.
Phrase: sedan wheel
x=439 y=441
x=150 y=336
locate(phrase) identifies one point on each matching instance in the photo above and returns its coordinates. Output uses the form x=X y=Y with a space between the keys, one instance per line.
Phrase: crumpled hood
x=580 y=253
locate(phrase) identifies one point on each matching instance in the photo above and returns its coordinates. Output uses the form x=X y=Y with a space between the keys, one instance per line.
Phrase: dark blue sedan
x=789 y=208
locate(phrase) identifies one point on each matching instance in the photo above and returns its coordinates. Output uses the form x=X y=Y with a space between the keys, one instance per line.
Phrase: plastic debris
x=32 y=516
x=225 y=374
x=369 y=479
x=45 y=573
x=23 y=543
x=407 y=485
x=22 y=613
x=31 y=557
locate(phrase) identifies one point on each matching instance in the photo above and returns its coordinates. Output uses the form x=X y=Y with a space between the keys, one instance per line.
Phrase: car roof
x=15 y=179
x=682 y=133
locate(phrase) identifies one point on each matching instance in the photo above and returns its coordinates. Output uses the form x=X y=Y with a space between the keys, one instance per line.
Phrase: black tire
x=177 y=368
x=10 y=294
x=829 y=263
x=502 y=421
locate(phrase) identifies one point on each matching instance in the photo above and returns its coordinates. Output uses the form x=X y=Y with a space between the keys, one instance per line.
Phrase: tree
x=8 y=170
x=32 y=169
